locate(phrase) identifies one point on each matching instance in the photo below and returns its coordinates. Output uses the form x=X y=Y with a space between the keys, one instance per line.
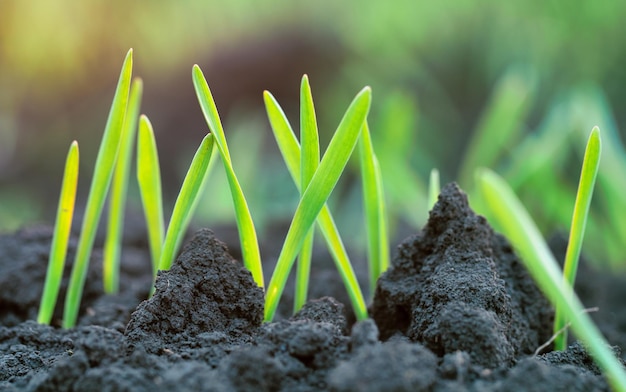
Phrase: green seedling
x=309 y=161
x=290 y=150
x=165 y=247
x=245 y=225
x=186 y=202
x=103 y=172
x=434 y=188
x=60 y=237
x=316 y=194
x=515 y=222
x=375 y=211
x=542 y=182
x=591 y=163
x=149 y=180
x=594 y=108
x=113 y=244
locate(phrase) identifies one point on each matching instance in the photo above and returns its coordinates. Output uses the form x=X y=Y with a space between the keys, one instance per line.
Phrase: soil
x=456 y=311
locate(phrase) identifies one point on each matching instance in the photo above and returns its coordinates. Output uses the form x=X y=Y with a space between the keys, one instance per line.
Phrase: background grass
x=440 y=74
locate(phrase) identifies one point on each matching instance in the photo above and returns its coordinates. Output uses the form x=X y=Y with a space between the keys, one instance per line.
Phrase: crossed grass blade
x=324 y=180
x=103 y=172
x=61 y=235
x=505 y=208
x=119 y=188
x=591 y=163
x=149 y=180
x=245 y=225
x=290 y=150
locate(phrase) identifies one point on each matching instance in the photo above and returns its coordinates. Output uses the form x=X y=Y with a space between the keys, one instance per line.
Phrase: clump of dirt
x=206 y=295
x=23 y=263
x=459 y=286
x=456 y=311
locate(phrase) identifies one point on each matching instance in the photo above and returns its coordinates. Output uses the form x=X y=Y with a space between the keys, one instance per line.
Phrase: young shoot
x=316 y=194
x=103 y=172
x=309 y=161
x=149 y=180
x=516 y=224
x=165 y=247
x=290 y=150
x=245 y=225
x=186 y=202
x=117 y=202
x=375 y=212
x=591 y=163
x=60 y=237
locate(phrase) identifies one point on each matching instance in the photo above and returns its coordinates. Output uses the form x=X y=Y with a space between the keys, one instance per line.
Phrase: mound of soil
x=455 y=311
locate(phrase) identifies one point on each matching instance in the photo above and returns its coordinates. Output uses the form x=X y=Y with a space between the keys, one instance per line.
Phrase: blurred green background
x=516 y=86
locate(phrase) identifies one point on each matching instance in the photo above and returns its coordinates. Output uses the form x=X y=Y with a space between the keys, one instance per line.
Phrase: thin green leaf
x=60 y=237
x=186 y=202
x=103 y=172
x=310 y=157
x=434 y=188
x=303 y=271
x=373 y=200
x=326 y=176
x=247 y=233
x=285 y=137
x=290 y=150
x=591 y=163
x=117 y=203
x=519 y=228
x=149 y=180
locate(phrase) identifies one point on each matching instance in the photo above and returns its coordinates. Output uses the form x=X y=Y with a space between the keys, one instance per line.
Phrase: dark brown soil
x=456 y=311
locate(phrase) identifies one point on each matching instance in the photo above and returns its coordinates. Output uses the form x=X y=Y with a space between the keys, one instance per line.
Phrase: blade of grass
x=60 y=237
x=310 y=158
x=245 y=225
x=434 y=188
x=186 y=202
x=119 y=188
x=518 y=226
x=149 y=180
x=375 y=214
x=591 y=163
x=324 y=180
x=103 y=171
x=290 y=150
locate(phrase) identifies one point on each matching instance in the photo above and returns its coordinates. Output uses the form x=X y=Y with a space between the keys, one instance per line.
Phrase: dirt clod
x=456 y=311
x=457 y=285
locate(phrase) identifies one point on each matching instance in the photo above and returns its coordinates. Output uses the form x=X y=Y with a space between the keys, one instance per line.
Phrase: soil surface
x=456 y=311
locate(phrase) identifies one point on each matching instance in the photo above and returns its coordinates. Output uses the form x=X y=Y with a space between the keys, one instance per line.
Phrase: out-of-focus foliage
x=543 y=71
